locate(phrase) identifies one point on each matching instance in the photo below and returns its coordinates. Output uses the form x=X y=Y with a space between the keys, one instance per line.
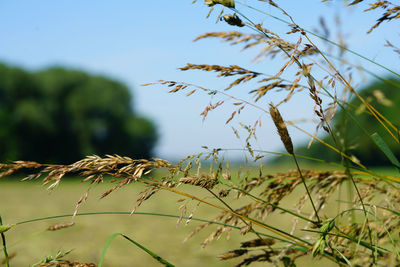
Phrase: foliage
x=59 y=115
x=383 y=94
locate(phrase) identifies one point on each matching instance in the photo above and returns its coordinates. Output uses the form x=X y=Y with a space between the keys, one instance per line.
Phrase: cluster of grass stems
x=365 y=229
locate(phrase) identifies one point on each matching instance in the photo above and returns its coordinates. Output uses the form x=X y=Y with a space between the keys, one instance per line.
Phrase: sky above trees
x=139 y=42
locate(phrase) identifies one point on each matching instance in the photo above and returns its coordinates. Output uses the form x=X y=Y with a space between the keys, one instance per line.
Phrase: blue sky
x=138 y=42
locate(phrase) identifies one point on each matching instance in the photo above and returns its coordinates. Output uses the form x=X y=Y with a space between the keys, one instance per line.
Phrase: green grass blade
x=385 y=149
x=3 y=238
x=343 y=257
x=150 y=214
x=155 y=256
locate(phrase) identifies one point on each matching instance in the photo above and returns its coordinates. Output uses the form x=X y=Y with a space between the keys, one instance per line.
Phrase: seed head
x=233 y=20
x=227 y=3
x=59 y=226
x=258 y=243
x=232 y=254
x=282 y=130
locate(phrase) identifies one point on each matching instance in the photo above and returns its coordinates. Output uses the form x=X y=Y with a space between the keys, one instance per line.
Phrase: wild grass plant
x=358 y=228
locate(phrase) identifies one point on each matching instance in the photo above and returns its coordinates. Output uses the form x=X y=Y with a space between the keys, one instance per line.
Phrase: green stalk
x=305 y=185
x=302 y=247
x=3 y=238
x=155 y=256
x=349 y=174
x=346 y=163
x=150 y=214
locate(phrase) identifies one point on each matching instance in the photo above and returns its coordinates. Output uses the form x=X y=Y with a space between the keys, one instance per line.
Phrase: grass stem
x=306 y=187
x=151 y=253
x=3 y=238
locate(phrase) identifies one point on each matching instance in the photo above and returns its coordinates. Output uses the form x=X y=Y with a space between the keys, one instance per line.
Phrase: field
x=29 y=200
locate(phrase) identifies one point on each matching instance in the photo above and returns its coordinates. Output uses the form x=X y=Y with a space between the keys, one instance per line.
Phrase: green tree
x=385 y=96
x=59 y=115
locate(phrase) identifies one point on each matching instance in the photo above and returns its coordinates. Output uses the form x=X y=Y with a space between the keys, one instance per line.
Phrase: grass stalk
x=151 y=253
x=3 y=239
x=306 y=187
x=149 y=214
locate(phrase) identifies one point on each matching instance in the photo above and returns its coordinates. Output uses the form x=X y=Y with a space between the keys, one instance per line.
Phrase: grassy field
x=29 y=200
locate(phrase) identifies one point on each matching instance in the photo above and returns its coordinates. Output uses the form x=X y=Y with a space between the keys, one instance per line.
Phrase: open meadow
x=20 y=201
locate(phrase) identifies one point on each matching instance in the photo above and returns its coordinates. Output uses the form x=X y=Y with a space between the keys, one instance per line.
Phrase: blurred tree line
x=60 y=115
x=384 y=95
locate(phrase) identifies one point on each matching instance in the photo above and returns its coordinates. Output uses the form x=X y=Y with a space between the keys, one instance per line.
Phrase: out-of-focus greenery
x=385 y=96
x=60 y=115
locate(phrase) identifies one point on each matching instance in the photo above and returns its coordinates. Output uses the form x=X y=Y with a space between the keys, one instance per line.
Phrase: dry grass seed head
x=145 y=194
x=83 y=198
x=222 y=71
x=9 y=169
x=266 y=256
x=281 y=127
x=204 y=225
x=258 y=243
x=232 y=254
x=227 y=3
x=65 y=263
x=210 y=107
x=280 y=185
x=233 y=20
x=395 y=49
x=59 y=226
x=269 y=44
x=205 y=181
x=392 y=11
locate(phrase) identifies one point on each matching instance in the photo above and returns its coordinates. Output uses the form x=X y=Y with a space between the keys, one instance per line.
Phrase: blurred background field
x=21 y=201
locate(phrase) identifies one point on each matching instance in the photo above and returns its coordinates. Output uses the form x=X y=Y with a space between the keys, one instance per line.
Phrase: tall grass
x=355 y=229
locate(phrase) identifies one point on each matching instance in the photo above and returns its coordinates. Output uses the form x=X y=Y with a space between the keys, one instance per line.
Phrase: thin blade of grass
x=150 y=214
x=3 y=238
x=154 y=255
x=385 y=149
